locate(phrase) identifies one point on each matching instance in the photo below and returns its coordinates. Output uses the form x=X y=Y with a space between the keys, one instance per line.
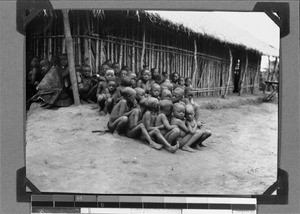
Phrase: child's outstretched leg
x=163 y=141
x=135 y=129
x=118 y=125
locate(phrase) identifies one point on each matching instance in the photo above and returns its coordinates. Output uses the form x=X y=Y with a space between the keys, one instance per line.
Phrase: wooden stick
x=193 y=75
x=108 y=50
x=133 y=59
x=116 y=56
x=97 y=56
x=112 y=51
x=102 y=54
x=143 y=47
x=50 y=49
x=256 y=74
x=243 y=76
x=121 y=55
x=150 y=50
x=70 y=52
x=269 y=68
x=79 y=41
x=274 y=69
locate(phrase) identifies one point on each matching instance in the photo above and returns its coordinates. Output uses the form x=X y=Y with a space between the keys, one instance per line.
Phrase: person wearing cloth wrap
x=51 y=88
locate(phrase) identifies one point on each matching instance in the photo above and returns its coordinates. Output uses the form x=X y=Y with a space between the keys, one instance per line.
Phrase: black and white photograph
x=152 y=102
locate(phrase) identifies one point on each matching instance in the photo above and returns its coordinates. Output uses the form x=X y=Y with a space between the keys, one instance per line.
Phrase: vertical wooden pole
x=79 y=40
x=143 y=47
x=70 y=52
x=244 y=75
x=121 y=55
x=256 y=74
x=150 y=51
x=89 y=45
x=269 y=68
x=133 y=57
x=50 y=51
x=45 y=47
x=195 y=64
x=274 y=69
x=63 y=46
x=102 y=54
x=112 y=51
x=97 y=55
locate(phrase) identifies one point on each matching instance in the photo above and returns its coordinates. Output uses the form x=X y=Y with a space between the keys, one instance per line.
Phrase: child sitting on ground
x=101 y=98
x=125 y=82
x=165 y=76
x=166 y=95
x=118 y=119
x=155 y=90
x=167 y=85
x=197 y=135
x=85 y=84
x=178 y=119
x=174 y=79
x=122 y=74
x=162 y=119
x=140 y=93
x=33 y=78
x=117 y=69
x=148 y=120
x=188 y=96
x=177 y=95
x=136 y=129
x=140 y=99
x=142 y=105
x=156 y=77
x=188 y=82
x=109 y=93
x=144 y=81
x=133 y=77
x=181 y=83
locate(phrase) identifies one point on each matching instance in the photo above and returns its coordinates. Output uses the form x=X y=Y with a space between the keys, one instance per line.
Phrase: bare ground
x=63 y=155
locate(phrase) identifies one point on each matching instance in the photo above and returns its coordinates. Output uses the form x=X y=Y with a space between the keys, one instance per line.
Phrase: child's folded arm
x=167 y=124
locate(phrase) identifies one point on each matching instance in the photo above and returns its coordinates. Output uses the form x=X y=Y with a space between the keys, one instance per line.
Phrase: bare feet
x=117 y=135
x=102 y=113
x=155 y=145
x=198 y=147
x=94 y=107
x=44 y=104
x=48 y=106
x=174 y=148
x=188 y=149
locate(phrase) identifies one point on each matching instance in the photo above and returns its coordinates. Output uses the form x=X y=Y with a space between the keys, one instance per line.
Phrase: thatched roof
x=206 y=24
x=195 y=24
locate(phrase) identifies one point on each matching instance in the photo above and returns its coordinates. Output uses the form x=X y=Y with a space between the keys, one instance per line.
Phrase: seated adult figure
x=51 y=88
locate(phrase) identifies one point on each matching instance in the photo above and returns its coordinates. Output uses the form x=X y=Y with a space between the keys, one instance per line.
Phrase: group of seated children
x=147 y=105
x=152 y=108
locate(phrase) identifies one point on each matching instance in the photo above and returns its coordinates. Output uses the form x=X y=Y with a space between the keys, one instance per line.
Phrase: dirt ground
x=63 y=155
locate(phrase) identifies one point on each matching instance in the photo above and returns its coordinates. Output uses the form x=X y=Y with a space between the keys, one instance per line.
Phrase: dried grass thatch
x=192 y=23
x=208 y=25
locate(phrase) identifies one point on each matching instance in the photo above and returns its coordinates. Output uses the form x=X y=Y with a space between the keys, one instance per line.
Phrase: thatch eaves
x=207 y=25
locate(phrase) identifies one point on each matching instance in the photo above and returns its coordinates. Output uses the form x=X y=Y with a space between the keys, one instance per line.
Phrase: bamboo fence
x=137 y=46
